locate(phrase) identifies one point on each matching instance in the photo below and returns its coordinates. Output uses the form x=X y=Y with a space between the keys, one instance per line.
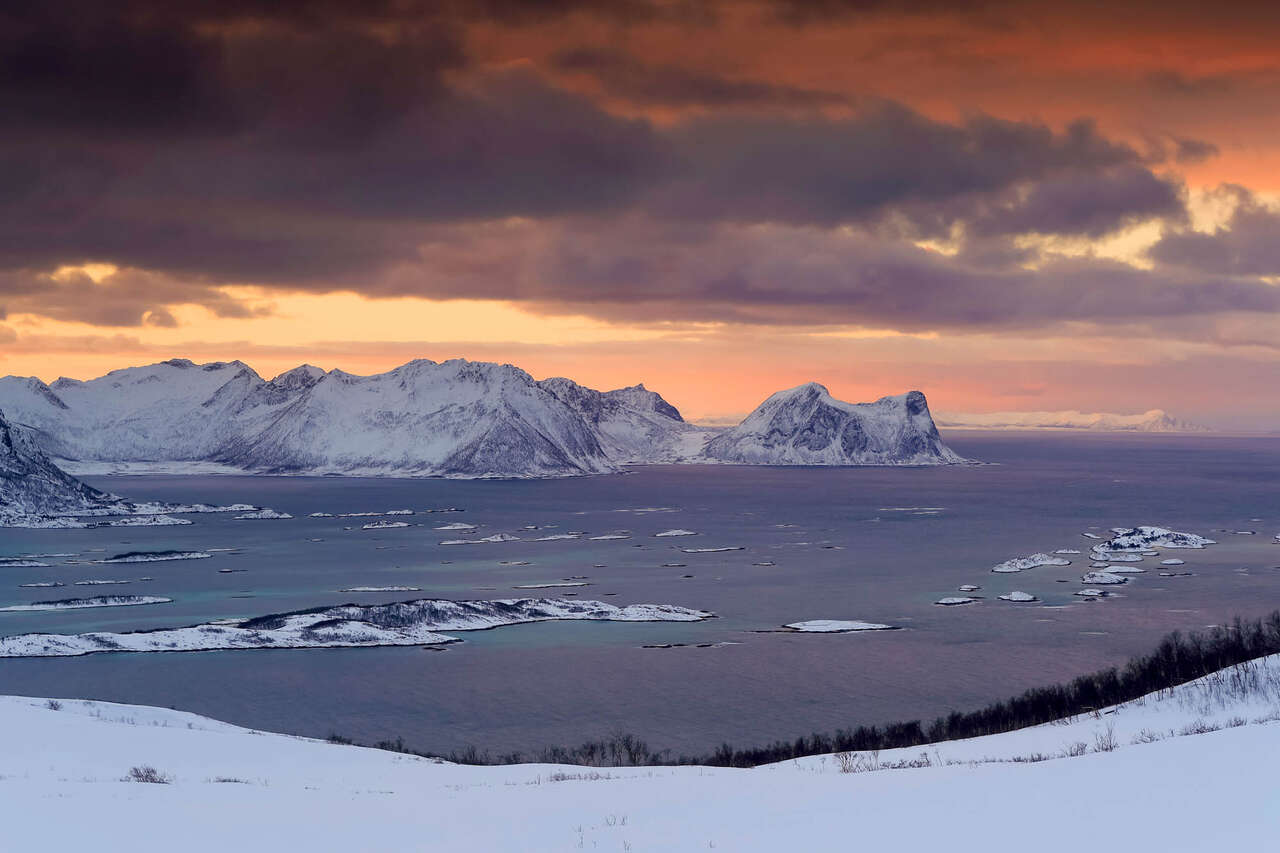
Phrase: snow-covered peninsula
x=406 y=623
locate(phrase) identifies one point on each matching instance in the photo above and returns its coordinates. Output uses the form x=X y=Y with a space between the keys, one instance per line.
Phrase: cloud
x=1248 y=244
x=253 y=209
x=127 y=297
x=884 y=160
x=261 y=207
x=623 y=75
x=647 y=271
x=325 y=146
x=1092 y=204
x=1189 y=151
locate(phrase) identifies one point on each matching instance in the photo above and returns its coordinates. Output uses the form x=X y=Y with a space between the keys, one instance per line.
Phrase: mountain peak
x=302 y=376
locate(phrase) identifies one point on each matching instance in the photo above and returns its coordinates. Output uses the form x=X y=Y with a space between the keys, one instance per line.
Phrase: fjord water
x=875 y=544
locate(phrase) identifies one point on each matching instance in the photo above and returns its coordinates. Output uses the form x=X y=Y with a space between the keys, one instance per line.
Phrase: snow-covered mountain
x=457 y=418
x=31 y=485
x=807 y=426
x=633 y=424
x=171 y=411
x=1156 y=420
x=454 y=419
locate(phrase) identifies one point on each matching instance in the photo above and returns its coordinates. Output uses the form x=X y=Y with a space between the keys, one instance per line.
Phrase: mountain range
x=456 y=418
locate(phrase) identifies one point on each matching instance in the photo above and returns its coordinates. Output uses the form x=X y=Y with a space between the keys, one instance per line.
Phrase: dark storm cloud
x=625 y=76
x=254 y=207
x=1247 y=245
x=1091 y=205
x=828 y=171
x=322 y=146
x=152 y=69
x=308 y=192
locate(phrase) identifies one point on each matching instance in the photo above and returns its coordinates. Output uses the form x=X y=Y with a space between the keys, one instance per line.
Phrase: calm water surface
x=861 y=543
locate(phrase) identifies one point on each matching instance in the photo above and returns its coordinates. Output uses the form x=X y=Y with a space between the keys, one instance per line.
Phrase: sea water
x=873 y=544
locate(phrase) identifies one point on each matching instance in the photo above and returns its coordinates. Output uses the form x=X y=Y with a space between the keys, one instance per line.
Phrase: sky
x=1039 y=205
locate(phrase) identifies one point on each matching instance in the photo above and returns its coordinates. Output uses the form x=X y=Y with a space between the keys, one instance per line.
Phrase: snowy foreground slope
x=1183 y=786
x=452 y=419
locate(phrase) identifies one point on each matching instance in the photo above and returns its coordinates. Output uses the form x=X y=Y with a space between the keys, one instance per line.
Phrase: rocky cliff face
x=31 y=485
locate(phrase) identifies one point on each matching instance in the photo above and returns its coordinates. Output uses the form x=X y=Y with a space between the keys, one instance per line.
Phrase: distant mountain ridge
x=456 y=418
x=1155 y=420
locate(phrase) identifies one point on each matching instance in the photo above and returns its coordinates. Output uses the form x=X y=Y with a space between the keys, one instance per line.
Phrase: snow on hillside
x=1156 y=420
x=634 y=424
x=456 y=418
x=807 y=426
x=1144 y=780
x=176 y=408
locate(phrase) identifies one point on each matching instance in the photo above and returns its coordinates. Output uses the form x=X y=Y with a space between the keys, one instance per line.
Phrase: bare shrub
x=1198 y=727
x=53 y=705
x=907 y=763
x=1105 y=740
x=1074 y=750
x=592 y=776
x=1146 y=736
x=147 y=773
